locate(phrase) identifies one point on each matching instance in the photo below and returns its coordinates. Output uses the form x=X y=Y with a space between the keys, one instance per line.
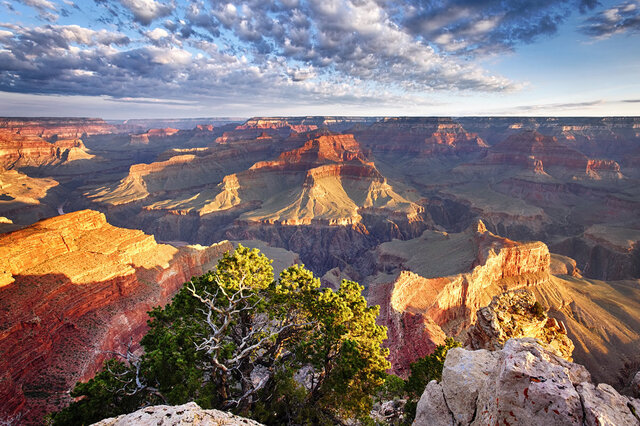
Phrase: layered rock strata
x=523 y=383
x=59 y=128
x=424 y=136
x=445 y=280
x=72 y=288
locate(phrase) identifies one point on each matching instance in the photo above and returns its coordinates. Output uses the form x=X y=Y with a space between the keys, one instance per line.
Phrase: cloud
x=147 y=11
x=481 y=27
x=619 y=19
x=45 y=9
x=39 y=4
x=313 y=50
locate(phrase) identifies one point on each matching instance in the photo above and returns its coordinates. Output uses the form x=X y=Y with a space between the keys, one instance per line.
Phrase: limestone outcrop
x=517 y=314
x=186 y=414
x=73 y=287
x=523 y=383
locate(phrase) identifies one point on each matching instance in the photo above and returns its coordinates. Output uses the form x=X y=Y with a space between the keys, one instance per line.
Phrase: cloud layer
x=346 y=51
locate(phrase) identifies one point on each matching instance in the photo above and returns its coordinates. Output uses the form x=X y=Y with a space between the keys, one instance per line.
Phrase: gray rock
x=635 y=385
x=432 y=409
x=522 y=384
x=604 y=406
x=166 y=415
x=464 y=373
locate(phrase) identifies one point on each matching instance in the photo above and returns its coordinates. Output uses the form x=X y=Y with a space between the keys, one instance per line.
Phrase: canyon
x=437 y=217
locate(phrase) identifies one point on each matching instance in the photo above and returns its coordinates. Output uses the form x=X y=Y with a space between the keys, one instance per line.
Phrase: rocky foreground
x=524 y=383
x=186 y=414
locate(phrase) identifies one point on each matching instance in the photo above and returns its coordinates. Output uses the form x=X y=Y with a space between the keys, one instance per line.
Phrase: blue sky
x=176 y=58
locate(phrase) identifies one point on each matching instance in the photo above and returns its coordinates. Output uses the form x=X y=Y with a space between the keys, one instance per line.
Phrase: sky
x=121 y=59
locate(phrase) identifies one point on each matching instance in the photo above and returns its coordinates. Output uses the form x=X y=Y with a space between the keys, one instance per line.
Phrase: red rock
x=88 y=292
x=143 y=138
x=420 y=311
x=61 y=128
x=423 y=136
x=519 y=149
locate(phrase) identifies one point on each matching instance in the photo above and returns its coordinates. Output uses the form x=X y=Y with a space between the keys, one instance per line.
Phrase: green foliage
x=423 y=371
x=283 y=352
x=392 y=388
x=109 y=395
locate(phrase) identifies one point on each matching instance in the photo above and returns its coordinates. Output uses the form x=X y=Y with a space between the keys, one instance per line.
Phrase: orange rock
x=72 y=288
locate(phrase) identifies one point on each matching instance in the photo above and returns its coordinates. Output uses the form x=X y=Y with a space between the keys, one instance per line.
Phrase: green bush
x=234 y=339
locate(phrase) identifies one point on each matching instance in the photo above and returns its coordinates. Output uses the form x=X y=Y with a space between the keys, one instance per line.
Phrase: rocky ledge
x=517 y=314
x=187 y=414
x=523 y=383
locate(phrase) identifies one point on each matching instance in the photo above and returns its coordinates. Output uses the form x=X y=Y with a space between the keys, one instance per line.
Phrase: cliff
x=24 y=199
x=523 y=383
x=443 y=279
x=419 y=136
x=73 y=287
x=17 y=150
x=53 y=127
x=433 y=286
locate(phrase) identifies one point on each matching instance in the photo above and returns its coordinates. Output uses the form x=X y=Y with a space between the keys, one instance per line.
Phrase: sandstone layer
x=59 y=128
x=442 y=280
x=521 y=384
x=72 y=288
x=431 y=287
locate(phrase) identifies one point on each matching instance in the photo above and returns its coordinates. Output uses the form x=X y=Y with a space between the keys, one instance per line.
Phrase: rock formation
x=144 y=138
x=603 y=169
x=518 y=149
x=421 y=136
x=443 y=280
x=431 y=287
x=71 y=288
x=18 y=150
x=524 y=383
x=186 y=414
x=57 y=128
x=517 y=314
x=24 y=199
x=319 y=179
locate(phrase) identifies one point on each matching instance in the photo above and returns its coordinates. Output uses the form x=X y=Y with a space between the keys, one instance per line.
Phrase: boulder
x=523 y=383
x=187 y=414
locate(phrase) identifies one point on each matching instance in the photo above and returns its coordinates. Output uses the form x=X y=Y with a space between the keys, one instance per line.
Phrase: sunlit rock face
x=524 y=383
x=441 y=284
x=185 y=414
x=72 y=288
x=318 y=183
x=517 y=314
x=445 y=282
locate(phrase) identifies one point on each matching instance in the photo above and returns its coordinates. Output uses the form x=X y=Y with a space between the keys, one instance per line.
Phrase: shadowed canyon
x=438 y=218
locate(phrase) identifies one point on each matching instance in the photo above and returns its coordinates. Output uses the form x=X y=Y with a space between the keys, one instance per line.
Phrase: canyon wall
x=73 y=288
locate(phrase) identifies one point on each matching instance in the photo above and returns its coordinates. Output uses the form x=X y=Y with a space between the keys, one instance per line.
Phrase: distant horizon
x=239 y=118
